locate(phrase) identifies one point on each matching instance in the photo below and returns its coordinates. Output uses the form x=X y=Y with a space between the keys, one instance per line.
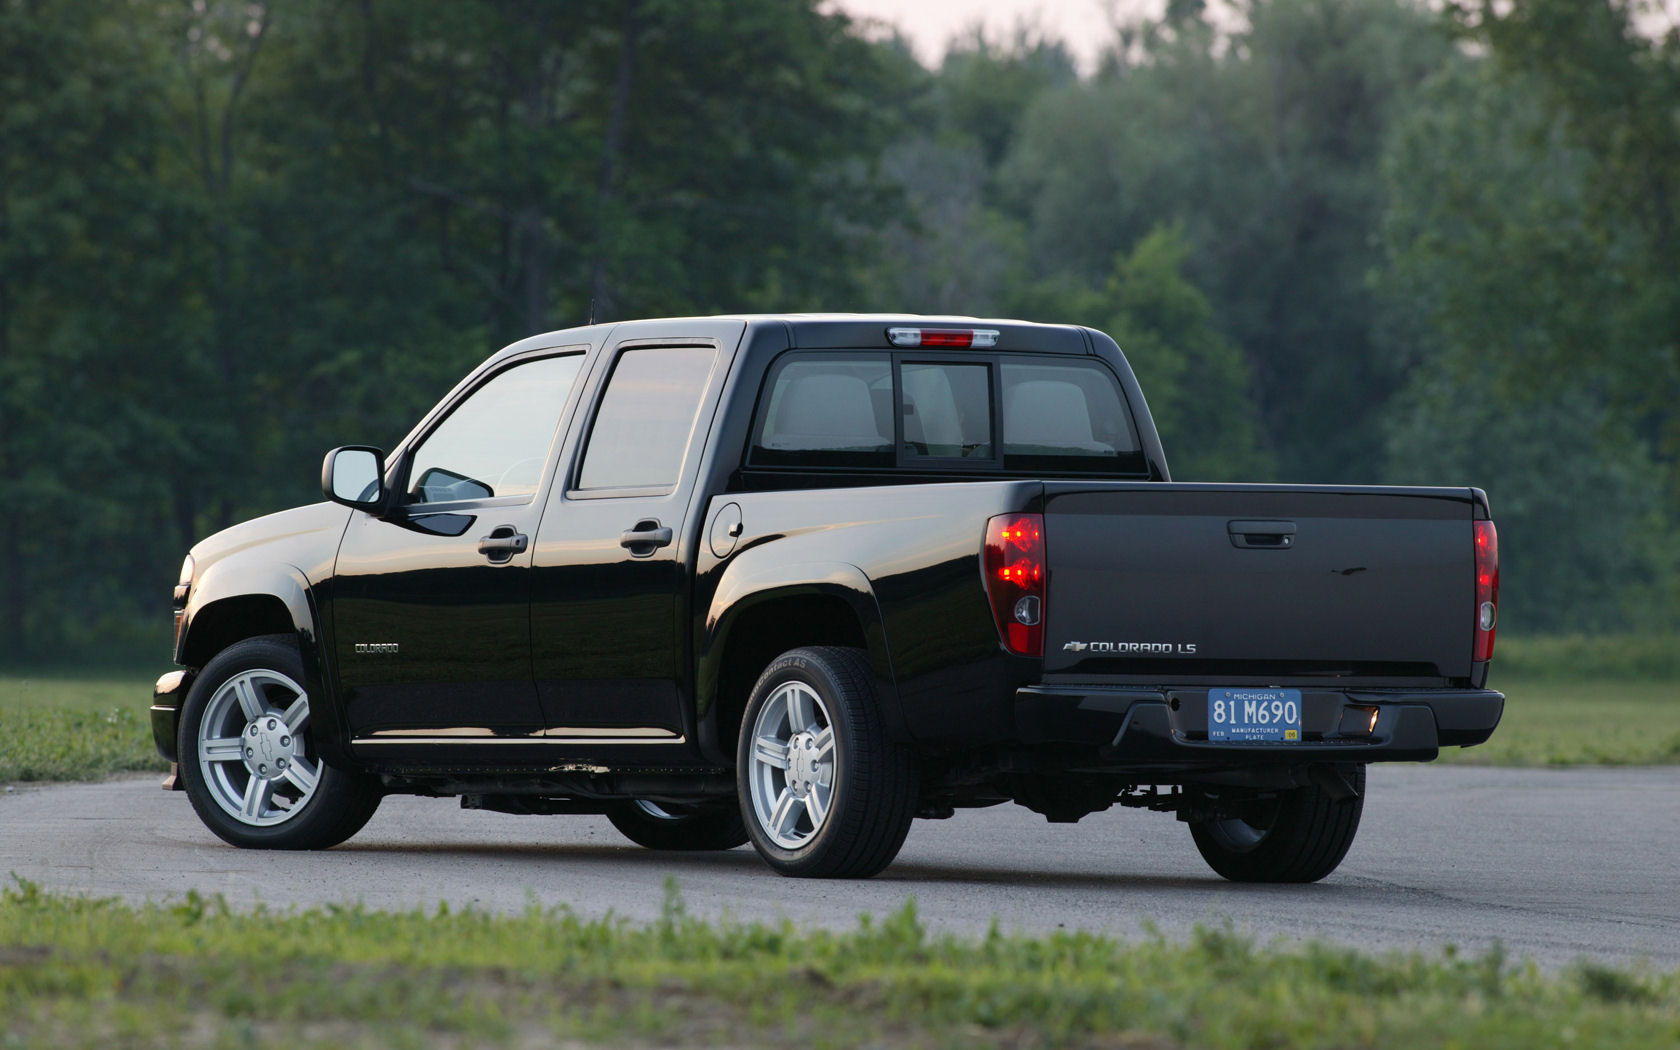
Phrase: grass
x=1579 y=722
x=62 y=726
x=86 y=973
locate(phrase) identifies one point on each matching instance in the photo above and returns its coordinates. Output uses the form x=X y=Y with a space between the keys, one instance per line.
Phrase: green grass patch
x=65 y=727
x=1576 y=658
x=1577 y=722
x=84 y=973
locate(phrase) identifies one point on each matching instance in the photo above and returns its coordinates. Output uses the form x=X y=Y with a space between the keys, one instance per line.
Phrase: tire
x=824 y=791
x=702 y=826
x=248 y=757
x=1300 y=836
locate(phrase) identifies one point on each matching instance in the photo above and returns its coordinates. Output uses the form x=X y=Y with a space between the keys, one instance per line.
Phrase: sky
x=1084 y=25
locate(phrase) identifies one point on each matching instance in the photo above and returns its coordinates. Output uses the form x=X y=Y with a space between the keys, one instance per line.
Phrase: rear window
x=1002 y=413
x=829 y=411
x=1066 y=416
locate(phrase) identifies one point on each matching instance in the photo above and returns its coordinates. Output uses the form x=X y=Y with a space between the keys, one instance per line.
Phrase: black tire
x=701 y=826
x=265 y=674
x=1299 y=836
x=869 y=798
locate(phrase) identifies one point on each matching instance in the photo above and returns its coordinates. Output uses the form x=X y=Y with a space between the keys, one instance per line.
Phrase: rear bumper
x=1167 y=727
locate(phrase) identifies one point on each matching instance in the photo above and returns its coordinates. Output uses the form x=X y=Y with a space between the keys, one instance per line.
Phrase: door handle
x=647 y=537
x=1262 y=535
x=503 y=543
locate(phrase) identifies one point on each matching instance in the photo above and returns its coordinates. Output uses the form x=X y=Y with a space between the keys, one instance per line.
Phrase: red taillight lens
x=1487 y=589
x=1015 y=580
x=933 y=338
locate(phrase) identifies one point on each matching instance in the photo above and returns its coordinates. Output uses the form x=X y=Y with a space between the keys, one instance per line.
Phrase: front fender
x=235 y=599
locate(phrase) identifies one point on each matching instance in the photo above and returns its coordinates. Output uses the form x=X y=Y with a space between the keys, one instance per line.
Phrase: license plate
x=1254 y=715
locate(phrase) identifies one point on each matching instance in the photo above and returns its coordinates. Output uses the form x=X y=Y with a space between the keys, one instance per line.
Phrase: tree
x=1264 y=147
x=1499 y=271
x=1612 y=91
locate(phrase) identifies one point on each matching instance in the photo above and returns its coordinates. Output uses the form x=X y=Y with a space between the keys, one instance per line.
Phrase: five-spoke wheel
x=248 y=760
x=792 y=765
x=252 y=751
x=824 y=790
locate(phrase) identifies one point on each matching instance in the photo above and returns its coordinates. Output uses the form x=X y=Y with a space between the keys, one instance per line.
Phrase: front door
x=430 y=605
x=610 y=579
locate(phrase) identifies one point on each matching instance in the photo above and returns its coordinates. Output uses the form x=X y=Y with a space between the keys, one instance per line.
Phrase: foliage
x=1610 y=88
x=1496 y=289
x=1263 y=147
x=1338 y=244
x=168 y=974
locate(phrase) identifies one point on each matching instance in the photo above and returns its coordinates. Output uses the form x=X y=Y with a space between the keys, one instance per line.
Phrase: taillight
x=1015 y=580
x=1487 y=589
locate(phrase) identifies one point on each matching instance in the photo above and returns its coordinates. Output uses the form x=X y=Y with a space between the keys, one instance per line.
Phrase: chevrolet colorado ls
x=800 y=580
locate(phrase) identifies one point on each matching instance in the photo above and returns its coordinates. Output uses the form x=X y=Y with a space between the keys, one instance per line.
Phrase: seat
x=1049 y=415
x=825 y=410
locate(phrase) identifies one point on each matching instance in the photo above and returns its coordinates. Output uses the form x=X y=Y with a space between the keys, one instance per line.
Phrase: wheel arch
x=278 y=602
x=755 y=617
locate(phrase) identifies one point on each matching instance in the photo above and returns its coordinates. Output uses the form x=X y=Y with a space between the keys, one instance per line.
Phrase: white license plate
x=1254 y=715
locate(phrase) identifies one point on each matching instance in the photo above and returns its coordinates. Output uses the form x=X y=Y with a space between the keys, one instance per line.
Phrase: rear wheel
x=248 y=758
x=1297 y=836
x=824 y=790
x=700 y=826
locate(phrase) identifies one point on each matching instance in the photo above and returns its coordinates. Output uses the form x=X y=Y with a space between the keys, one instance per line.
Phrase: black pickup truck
x=803 y=579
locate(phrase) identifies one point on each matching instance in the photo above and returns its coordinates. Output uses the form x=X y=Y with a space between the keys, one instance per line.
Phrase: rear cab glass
x=999 y=413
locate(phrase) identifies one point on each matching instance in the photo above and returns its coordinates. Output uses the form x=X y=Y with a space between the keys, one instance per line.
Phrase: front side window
x=646 y=418
x=496 y=442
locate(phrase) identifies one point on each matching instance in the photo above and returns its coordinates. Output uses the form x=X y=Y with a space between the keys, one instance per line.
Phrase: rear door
x=610 y=576
x=1262 y=583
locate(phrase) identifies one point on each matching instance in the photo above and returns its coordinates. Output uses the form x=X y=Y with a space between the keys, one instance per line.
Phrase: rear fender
x=752 y=589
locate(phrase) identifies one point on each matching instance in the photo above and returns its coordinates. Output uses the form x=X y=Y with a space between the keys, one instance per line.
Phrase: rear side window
x=828 y=411
x=1066 y=416
x=646 y=418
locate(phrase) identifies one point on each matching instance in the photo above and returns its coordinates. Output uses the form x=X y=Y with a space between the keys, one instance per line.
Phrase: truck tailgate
x=1260 y=583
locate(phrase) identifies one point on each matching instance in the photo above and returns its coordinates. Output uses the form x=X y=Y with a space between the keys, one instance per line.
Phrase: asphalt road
x=1554 y=864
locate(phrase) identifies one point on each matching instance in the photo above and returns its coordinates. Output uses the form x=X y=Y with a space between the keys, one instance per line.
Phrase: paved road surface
x=1556 y=865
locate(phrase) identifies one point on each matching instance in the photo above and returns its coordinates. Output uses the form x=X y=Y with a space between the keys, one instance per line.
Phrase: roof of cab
x=852 y=331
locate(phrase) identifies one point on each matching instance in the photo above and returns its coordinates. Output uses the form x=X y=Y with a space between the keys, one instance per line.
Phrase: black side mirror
x=354 y=476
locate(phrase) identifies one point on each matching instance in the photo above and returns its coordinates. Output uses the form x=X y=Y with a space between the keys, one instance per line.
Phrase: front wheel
x=1296 y=836
x=824 y=790
x=697 y=826
x=248 y=759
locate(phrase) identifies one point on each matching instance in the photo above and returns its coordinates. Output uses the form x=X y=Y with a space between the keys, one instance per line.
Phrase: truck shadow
x=743 y=862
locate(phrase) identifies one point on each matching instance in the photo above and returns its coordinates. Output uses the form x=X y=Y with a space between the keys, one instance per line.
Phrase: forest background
x=1340 y=241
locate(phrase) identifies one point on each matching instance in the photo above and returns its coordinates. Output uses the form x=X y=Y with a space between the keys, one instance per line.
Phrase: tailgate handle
x=1262 y=535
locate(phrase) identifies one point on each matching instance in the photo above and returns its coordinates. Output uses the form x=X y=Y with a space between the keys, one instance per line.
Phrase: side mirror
x=354 y=476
